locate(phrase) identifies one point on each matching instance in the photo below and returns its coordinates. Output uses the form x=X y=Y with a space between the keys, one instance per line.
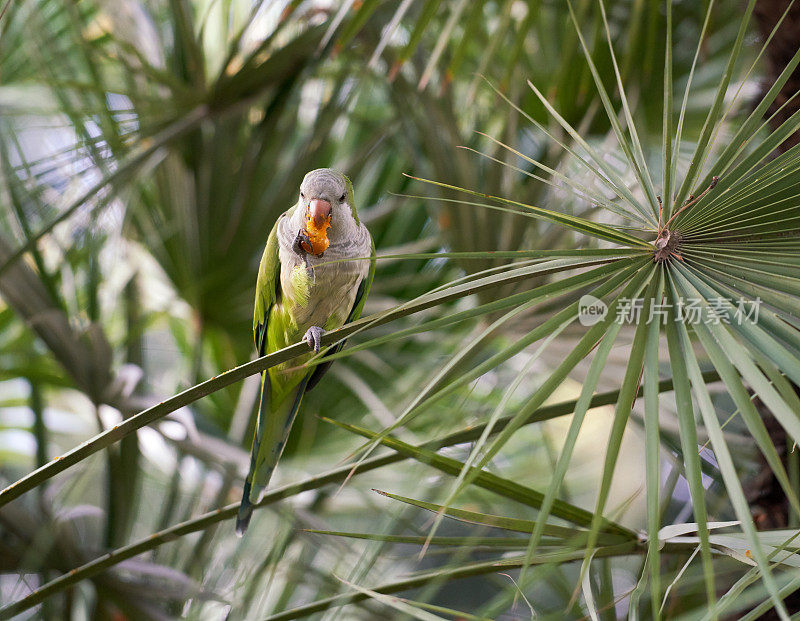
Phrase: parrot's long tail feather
x=245 y=511
x=276 y=427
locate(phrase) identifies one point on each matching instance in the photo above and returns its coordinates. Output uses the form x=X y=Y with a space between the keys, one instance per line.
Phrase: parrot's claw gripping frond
x=313 y=337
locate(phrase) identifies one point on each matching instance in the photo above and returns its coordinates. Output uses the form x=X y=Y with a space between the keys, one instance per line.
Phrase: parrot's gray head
x=326 y=198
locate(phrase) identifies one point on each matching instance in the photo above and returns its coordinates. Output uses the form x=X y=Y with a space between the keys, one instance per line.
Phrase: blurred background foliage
x=147 y=148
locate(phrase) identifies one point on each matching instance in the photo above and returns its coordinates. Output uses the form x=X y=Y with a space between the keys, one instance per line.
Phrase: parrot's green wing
x=355 y=313
x=267 y=289
x=267 y=294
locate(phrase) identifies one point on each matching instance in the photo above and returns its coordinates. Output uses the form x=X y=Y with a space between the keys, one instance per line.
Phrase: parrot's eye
x=343 y=197
x=303 y=196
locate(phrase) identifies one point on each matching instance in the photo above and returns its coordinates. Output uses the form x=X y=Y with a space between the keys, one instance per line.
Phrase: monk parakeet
x=314 y=276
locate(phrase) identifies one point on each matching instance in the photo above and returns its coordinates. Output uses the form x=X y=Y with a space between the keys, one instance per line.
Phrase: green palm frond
x=608 y=159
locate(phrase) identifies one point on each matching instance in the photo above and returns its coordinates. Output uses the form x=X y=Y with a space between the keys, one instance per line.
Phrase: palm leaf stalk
x=338 y=475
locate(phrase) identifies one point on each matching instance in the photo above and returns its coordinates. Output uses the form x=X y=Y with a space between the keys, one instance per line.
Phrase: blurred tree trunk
x=779 y=52
x=768 y=502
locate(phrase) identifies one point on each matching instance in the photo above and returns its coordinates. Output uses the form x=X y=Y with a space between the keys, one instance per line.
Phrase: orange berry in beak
x=318 y=221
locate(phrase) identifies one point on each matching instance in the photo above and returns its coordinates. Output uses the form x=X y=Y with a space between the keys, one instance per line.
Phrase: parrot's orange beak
x=319 y=211
x=318 y=221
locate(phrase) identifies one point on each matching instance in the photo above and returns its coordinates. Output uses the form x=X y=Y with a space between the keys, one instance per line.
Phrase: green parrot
x=314 y=276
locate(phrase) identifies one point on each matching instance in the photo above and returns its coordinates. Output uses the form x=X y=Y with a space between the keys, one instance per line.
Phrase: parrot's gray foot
x=313 y=337
x=300 y=246
x=301 y=243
